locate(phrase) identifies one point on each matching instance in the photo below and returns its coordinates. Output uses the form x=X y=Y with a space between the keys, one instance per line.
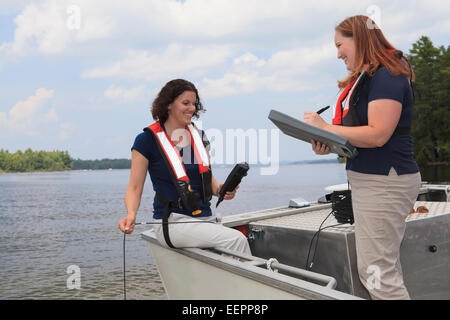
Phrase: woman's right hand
x=320 y=148
x=127 y=224
x=139 y=166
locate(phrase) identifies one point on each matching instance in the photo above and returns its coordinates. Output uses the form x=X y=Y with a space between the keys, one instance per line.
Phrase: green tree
x=79 y=164
x=430 y=128
x=34 y=161
x=2 y=159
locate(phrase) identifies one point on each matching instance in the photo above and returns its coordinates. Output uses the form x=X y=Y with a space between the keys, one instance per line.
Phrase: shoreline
x=34 y=171
x=436 y=165
x=331 y=161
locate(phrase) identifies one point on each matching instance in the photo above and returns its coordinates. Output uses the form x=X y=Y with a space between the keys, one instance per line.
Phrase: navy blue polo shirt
x=145 y=143
x=397 y=152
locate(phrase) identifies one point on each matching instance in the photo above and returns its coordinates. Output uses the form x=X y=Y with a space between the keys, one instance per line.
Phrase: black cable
x=317 y=243
x=311 y=242
x=342 y=210
x=124 y=277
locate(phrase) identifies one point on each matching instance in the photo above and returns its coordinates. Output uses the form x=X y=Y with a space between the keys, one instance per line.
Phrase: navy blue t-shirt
x=397 y=152
x=145 y=143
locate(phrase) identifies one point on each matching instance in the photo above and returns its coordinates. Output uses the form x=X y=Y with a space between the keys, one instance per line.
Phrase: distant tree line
x=101 y=164
x=30 y=160
x=34 y=161
x=431 y=125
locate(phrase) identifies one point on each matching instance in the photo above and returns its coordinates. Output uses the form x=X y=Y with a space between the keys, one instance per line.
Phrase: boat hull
x=194 y=274
x=284 y=234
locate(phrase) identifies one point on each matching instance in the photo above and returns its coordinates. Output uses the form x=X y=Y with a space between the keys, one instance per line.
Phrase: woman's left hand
x=314 y=119
x=230 y=194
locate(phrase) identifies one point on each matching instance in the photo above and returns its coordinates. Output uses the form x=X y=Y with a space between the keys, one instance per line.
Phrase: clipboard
x=305 y=132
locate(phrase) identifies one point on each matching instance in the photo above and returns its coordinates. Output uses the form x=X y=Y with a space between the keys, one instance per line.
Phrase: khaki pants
x=380 y=207
x=202 y=235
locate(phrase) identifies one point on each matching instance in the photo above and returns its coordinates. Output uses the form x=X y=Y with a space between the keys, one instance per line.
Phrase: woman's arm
x=383 y=116
x=139 y=167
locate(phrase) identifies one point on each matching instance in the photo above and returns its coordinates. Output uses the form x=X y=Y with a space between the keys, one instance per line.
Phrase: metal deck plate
x=311 y=220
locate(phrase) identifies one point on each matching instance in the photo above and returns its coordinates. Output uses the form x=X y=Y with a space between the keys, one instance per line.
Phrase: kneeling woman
x=175 y=154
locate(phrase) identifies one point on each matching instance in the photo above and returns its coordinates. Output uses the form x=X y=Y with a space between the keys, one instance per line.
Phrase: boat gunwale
x=302 y=288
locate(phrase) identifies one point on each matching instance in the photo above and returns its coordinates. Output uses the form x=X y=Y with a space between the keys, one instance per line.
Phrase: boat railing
x=273 y=265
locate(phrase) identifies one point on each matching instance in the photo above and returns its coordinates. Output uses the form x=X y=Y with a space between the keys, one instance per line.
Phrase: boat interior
x=290 y=235
x=291 y=254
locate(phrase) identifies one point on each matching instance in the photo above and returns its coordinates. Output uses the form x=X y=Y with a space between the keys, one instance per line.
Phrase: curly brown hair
x=168 y=94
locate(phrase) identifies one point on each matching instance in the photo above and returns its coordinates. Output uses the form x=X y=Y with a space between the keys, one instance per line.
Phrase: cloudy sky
x=80 y=75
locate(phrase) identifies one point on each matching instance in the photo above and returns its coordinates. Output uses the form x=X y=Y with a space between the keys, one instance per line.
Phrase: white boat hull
x=202 y=281
x=194 y=274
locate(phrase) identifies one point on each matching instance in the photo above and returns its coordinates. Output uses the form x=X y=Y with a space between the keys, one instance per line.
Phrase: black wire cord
x=124 y=276
x=317 y=242
x=342 y=211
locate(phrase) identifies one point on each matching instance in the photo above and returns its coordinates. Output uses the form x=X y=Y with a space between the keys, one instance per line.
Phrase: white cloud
x=249 y=58
x=58 y=26
x=173 y=62
x=40 y=26
x=27 y=116
x=54 y=27
x=284 y=71
x=298 y=60
x=45 y=25
x=245 y=73
x=124 y=95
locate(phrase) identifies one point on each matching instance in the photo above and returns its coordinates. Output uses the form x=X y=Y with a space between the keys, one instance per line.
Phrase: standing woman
x=174 y=152
x=374 y=112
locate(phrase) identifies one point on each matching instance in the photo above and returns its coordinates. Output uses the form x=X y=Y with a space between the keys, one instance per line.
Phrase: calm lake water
x=53 y=221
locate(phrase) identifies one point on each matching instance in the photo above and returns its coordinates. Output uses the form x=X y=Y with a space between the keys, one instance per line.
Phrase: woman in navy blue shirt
x=173 y=109
x=384 y=177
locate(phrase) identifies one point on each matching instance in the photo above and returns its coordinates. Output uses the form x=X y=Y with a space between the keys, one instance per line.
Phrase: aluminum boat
x=280 y=240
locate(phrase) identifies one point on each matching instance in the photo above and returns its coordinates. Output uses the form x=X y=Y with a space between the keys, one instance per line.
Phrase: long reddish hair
x=372 y=49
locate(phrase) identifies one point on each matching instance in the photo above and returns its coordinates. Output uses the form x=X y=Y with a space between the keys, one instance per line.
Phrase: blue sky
x=80 y=75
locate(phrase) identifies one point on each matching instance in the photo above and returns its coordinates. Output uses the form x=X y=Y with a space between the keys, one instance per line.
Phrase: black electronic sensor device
x=234 y=178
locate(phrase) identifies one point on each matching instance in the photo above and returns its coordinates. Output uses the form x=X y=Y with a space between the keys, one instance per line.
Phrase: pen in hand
x=323 y=109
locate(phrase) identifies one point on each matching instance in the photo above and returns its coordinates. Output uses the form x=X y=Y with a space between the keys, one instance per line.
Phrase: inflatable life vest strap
x=165 y=217
x=172 y=157
x=348 y=97
x=204 y=165
x=170 y=154
x=199 y=149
